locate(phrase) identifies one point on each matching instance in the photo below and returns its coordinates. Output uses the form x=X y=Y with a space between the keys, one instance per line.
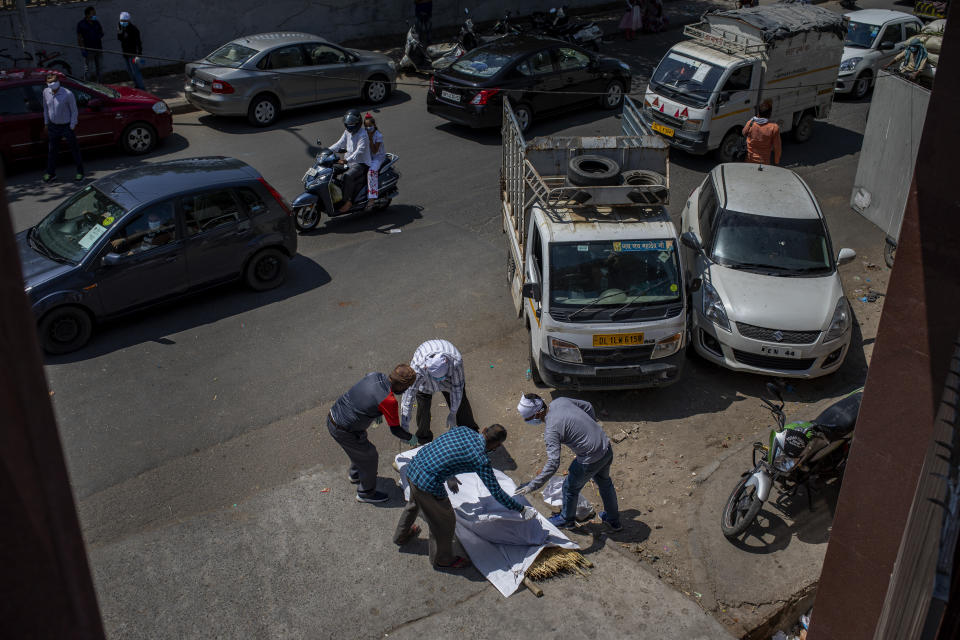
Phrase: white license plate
x=312 y=172
x=197 y=83
x=449 y=95
x=780 y=351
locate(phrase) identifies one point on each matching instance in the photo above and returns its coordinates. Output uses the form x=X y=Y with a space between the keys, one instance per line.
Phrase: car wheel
x=524 y=117
x=376 y=90
x=804 y=129
x=729 y=147
x=263 y=110
x=266 y=270
x=861 y=86
x=613 y=96
x=592 y=170
x=65 y=329
x=138 y=138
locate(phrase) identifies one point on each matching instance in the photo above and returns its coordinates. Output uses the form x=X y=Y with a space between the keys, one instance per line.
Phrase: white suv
x=765 y=293
x=874 y=37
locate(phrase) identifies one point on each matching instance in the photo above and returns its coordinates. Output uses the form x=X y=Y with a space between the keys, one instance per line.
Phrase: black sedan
x=538 y=74
x=149 y=234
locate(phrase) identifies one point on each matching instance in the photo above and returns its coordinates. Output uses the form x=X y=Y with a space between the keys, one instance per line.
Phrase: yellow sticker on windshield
x=107 y=221
x=673 y=287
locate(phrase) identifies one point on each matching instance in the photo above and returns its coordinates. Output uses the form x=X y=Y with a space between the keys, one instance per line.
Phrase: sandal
x=411 y=534
x=458 y=563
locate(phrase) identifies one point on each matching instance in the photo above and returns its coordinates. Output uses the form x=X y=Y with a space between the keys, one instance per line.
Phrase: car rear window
x=231 y=55
x=481 y=64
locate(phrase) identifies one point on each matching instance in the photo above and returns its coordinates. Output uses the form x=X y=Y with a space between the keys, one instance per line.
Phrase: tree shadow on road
x=195 y=310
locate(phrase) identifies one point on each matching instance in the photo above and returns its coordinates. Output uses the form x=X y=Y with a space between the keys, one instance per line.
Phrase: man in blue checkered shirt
x=459 y=450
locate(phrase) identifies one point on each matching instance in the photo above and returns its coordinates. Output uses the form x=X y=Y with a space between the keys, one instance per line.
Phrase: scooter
x=557 y=24
x=436 y=57
x=323 y=190
x=797 y=453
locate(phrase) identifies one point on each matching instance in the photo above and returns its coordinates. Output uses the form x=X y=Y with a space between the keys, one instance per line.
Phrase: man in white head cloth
x=574 y=423
x=439 y=367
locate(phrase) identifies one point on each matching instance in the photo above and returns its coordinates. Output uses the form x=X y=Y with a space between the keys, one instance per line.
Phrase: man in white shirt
x=357 y=156
x=439 y=367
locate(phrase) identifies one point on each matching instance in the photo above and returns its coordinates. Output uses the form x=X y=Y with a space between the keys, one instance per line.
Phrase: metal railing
x=723 y=40
x=11 y=5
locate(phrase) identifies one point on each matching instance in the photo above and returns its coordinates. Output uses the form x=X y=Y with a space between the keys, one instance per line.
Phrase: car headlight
x=840 y=323
x=565 y=351
x=667 y=346
x=850 y=64
x=692 y=125
x=713 y=307
x=393 y=65
x=160 y=107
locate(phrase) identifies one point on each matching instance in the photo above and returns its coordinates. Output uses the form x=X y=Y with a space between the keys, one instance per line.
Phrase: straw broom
x=552 y=562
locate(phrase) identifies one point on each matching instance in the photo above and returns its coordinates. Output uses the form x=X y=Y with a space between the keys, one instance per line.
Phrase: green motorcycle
x=796 y=453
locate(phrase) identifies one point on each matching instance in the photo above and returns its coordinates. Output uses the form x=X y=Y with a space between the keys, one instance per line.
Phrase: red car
x=108 y=114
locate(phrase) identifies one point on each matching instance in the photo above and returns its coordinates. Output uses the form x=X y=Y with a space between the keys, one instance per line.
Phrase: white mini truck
x=708 y=86
x=593 y=260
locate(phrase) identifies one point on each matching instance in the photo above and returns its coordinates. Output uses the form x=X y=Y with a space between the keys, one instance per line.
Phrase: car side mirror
x=466 y=11
x=845 y=256
x=689 y=240
x=531 y=290
x=887 y=46
x=112 y=259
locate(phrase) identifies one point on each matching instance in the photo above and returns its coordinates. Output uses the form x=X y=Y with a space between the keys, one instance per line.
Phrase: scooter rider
x=357 y=143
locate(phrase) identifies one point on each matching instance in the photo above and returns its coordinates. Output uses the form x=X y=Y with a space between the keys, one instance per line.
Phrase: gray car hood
x=799 y=304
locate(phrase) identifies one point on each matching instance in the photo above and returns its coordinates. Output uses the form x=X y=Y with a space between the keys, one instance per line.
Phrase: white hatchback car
x=874 y=37
x=765 y=293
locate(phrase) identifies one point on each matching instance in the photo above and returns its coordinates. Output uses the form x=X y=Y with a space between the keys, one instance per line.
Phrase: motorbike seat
x=840 y=418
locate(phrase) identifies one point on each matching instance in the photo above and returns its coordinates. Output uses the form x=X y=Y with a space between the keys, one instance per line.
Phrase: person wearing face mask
x=60 y=117
x=90 y=39
x=357 y=156
x=574 y=423
x=377 y=156
x=132 y=46
x=439 y=367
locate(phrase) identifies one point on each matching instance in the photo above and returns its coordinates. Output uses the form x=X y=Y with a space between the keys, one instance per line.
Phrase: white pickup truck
x=707 y=87
x=593 y=259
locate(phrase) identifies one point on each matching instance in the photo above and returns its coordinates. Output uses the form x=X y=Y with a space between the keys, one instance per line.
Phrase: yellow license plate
x=617 y=339
x=667 y=131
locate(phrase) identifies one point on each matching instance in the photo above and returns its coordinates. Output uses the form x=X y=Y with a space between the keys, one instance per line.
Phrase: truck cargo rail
x=723 y=40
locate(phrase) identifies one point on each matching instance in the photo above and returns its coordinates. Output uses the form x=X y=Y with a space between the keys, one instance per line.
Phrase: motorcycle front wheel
x=306 y=216
x=742 y=507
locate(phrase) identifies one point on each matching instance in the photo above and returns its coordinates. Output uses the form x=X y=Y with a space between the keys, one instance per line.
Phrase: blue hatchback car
x=149 y=234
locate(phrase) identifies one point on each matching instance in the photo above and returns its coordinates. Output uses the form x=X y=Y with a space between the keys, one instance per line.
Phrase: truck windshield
x=612 y=276
x=861 y=35
x=73 y=228
x=776 y=246
x=686 y=79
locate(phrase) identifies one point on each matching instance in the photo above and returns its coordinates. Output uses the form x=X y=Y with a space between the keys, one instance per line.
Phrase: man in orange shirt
x=762 y=137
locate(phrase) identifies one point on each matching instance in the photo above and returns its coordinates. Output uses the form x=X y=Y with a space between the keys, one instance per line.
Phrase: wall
x=187 y=30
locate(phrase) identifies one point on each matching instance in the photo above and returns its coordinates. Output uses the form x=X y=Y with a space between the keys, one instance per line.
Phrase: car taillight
x=276 y=195
x=430 y=88
x=484 y=95
x=219 y=86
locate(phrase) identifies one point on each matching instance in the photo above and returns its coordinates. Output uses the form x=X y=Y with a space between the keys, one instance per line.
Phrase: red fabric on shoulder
x=390 y=410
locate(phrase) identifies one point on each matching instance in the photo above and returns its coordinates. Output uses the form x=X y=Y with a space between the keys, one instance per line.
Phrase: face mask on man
x=533 y=421
x=371 y=129
x=54 y=85
x=124 y=23
x=153 y=224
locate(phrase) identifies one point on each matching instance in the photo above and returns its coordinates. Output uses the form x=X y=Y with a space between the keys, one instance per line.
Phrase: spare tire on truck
x=593 y=171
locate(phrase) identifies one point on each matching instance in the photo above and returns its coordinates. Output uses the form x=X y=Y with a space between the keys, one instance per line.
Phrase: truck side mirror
x=690 y=241
x=845 y=256
x=531 y=290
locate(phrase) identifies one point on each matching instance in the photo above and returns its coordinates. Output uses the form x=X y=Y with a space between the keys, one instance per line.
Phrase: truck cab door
x=534 y=275
x=735 y=102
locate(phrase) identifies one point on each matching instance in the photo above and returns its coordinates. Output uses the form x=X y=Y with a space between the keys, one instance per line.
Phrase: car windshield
x=101 y=88
x=589 y=277
x=231 y=55
x=73 y=228
x=481 y=64
x=686 y=79
x=777 y=246
x=861 y=35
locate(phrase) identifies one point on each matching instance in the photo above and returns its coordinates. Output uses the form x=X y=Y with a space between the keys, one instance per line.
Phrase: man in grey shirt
x=573 y=423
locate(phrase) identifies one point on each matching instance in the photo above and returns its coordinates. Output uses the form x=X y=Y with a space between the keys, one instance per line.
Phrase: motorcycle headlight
x=667 y=346
x=840 y=323
x=565 y=351
x=160 y=107
x=691 y=124
x=850 y=64
x=713 y=307
x=784 y=463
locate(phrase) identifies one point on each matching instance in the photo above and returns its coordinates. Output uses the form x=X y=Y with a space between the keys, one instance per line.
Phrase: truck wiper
x=593 y=302
x=642 y=293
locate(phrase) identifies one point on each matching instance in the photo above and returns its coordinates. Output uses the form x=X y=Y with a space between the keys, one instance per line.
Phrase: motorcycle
x=323 y=190
x=797 y=453
x=436 y=57
x=557 y=24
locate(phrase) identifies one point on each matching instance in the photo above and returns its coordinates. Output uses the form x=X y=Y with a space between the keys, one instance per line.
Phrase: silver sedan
x=260 y=75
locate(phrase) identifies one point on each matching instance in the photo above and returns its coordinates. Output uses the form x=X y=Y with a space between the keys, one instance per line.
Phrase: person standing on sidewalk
x=573 y=423
x=132 y=47
x=459 y=450
x=90 y=39
x=351 y=416
x=439 y=367
x=763 y=136
x=60 y=117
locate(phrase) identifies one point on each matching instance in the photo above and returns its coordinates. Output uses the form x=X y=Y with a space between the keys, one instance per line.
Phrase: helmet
x=352 y=120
